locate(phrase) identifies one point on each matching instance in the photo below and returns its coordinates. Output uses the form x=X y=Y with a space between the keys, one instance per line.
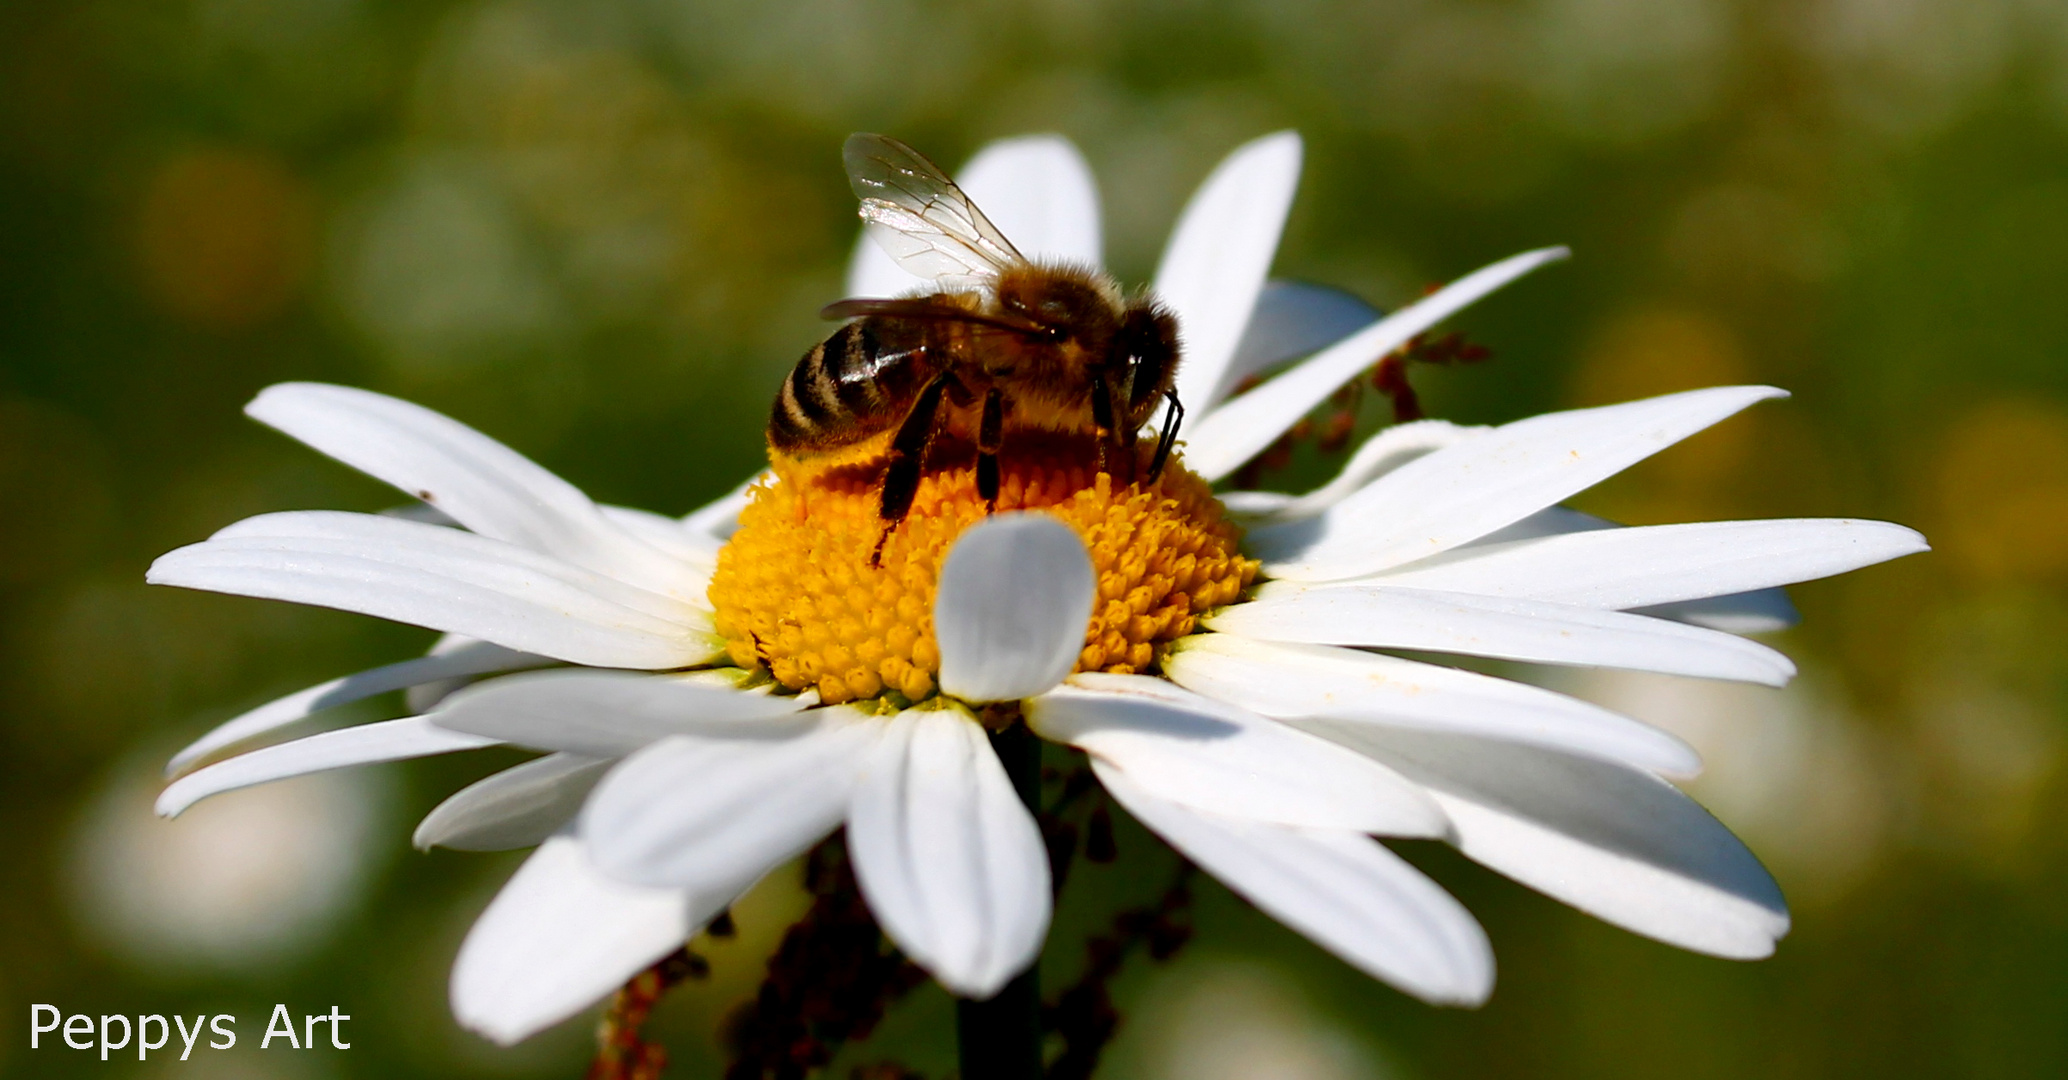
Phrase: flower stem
x=1000 y=1038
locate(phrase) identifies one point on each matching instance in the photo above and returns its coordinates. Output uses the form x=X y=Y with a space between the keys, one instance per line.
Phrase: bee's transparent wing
x=920 y=218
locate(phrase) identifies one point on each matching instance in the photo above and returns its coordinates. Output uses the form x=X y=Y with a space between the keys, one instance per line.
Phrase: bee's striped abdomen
x=846 y=388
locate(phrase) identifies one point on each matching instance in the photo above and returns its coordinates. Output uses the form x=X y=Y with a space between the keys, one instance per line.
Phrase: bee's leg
x=901 y=466
x=1171 y=419
x=1125 y=430
x=990 y=438
x=1102 y=416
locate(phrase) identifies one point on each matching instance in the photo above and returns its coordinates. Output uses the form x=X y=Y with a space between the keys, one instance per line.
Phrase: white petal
x=1040 y=193
x=366 y=744
x=1659 y=564
x=1252 y=505
x=1014 y=601
x=515 y=808
x=1381 y=454
x=1615 y=842
x=1755 y=612
x=1343 y=890
x=1487 y=482
x=715 y=522
x=1300 y=681
x=601 y=713
x=1214 y=266
x=483 y=484
x=1550 y=521
x=1210 y=756
x=474 y=658
x=1758 y=612
x=951 y=863
x=1384 y=617
x=558 y=937
x=1234 y=432
x=705 y=811
x=446 y=580
x=1292 y=319
x=423 y=697
x=694 y=548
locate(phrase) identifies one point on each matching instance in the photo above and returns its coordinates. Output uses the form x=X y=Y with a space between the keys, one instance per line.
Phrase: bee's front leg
x=990 y=439
x=1107 y=427
x=901 y=466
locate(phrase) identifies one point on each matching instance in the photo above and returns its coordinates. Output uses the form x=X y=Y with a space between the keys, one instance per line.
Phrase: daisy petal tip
x=1465 y=997
x=164 y=570
x=266 y=400
x=1904 y=540
x=1285 y=146
x=279 y=403
x=1682 y=762
x=1468 y=988
x=978 y=985
x=1784 y=672
x=501 y=1035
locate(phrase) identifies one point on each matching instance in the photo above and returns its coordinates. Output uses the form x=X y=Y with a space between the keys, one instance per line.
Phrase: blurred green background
x=600 y=230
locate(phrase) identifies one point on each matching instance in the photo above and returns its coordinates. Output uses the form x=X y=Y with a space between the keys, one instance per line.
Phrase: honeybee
x=1004 y=344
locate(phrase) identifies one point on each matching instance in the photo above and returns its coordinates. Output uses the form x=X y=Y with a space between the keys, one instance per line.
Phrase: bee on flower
x=983 y=525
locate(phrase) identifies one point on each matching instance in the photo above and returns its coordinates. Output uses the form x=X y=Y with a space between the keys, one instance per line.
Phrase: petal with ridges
x=1015 y=597
x=366 y=744
x=1342 y=890
x=694 y=548
x=1756 y=612
x=1302 y=681
x=1382 y=453
x=446 y=580
x=951 y=863
x=1211 y=756
x=602 y=713
x=1291 y=320
x=1214 y=266
x=472 y=658
x=1617 y=843
x=1219 y=442
x=515 y=808
x=558 y=937
x=1383 y=617
x=1488 y=482
x=485 y=485
x=1659 y=564
x=703 y=811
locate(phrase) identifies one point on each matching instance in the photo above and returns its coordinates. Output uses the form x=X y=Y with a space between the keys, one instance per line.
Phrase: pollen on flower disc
x=795 y=591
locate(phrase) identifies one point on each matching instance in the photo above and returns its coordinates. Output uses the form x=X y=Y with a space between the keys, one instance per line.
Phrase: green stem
x=1000 y=1038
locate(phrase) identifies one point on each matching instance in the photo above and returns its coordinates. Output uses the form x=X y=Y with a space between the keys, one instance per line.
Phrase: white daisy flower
x=727 y=690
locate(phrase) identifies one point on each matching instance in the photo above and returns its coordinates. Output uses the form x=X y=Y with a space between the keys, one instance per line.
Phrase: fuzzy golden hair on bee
x=1002 y=346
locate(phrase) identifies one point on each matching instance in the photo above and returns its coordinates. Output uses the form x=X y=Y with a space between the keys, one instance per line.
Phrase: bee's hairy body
x=1007 y=345
x=1096 y=365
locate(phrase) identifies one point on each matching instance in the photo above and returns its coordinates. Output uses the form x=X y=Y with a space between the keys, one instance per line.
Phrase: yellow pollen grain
x=795 y=593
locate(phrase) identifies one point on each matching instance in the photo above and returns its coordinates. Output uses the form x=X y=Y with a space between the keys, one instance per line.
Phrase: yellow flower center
x=796 y=593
